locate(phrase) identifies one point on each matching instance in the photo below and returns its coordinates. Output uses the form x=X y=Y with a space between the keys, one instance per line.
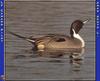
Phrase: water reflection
x=75 y=56
x=55 y=53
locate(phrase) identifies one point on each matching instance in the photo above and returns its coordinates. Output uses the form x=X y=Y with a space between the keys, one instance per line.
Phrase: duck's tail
x=32 y=40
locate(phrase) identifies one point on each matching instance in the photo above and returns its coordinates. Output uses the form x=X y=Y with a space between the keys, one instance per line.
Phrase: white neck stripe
x=78 y=37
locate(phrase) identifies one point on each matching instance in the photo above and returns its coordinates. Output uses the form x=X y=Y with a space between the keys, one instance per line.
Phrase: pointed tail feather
x=22 y=37
x=19 y=36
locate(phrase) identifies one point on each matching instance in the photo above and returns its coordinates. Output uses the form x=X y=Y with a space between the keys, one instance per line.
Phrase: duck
x=58 y=41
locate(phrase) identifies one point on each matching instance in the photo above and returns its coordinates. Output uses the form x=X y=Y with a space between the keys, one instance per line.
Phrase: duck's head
x=76 y=26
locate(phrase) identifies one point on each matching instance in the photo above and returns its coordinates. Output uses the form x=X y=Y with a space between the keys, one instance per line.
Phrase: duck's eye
x=60 y=40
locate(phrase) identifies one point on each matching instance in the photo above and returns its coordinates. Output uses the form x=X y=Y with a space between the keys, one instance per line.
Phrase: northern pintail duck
x=56 y=41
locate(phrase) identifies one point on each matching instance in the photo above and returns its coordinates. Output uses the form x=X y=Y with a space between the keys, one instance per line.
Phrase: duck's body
x=56 y=41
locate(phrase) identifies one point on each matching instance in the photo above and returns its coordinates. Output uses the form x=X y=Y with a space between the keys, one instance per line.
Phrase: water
x=40 y=18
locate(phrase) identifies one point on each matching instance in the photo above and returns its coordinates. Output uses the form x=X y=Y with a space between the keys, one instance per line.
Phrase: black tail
x=19 y=36
x=22 y=37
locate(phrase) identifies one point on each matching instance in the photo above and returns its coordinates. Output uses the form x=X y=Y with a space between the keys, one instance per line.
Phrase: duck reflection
x=75 y=56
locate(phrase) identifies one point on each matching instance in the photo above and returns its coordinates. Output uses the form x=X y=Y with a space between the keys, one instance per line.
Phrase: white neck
x=78 y=37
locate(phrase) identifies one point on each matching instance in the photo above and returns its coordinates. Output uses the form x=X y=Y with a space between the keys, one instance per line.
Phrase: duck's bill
x=86 y=20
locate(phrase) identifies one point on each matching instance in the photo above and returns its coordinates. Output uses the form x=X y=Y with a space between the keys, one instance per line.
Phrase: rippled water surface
x=40 y=18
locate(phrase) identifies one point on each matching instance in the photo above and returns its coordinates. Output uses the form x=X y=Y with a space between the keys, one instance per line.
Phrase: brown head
x=76 y=26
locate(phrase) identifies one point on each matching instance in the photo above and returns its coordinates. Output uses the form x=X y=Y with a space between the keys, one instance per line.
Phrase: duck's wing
x=58 y=37
x=51 y=37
